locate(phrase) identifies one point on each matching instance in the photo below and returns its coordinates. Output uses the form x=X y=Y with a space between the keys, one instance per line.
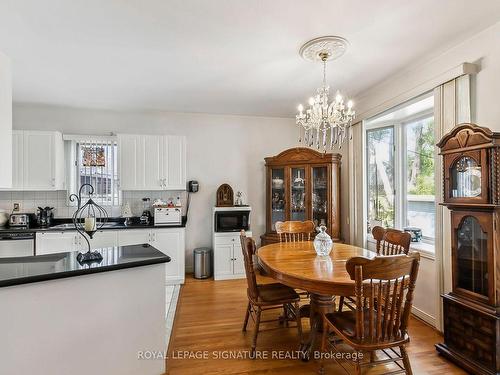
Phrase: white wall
x=483 y=50
x=5 y=122
x=219 y=149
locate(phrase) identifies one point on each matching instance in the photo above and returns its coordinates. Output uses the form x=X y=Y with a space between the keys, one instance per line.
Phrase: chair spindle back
x=391 y=241
x=294 y=231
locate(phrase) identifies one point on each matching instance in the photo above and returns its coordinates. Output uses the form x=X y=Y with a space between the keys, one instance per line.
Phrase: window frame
x=400 y=159
x=74 y=177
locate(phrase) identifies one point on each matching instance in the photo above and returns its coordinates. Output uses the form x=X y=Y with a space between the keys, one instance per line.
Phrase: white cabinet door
x=223 y=261
x=175 y=169
x=39 y=162
x=104 y=238
x=131 y=161
x=55 y=242
x=134 y=237
x=171 y=242
x=43 y=160
x=17 y=160
x=153 y=162
x=238 y=261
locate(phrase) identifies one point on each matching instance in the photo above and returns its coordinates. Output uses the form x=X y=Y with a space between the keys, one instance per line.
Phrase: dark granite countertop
x=23 y=270
x=112 y=224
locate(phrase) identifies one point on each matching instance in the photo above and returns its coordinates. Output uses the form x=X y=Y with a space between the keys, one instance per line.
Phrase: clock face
x=472 y=185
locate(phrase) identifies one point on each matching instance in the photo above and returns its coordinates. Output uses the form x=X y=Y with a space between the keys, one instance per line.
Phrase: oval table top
x=296 y=264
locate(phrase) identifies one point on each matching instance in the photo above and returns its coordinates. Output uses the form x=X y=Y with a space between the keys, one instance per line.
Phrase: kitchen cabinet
x=228 y=256
x=5 y=122
x=37 y=160
x=56 y=242
x=152 y=162
x=170 y=241
x=51 y=242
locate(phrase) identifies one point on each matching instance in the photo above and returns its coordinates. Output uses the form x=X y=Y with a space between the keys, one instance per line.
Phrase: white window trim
x=400 y=204
x=73 y=177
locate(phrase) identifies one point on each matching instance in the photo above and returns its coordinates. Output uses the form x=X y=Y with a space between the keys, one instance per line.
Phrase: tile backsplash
x=31 y=200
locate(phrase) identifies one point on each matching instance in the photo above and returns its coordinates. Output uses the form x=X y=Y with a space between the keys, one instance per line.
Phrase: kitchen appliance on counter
x=146 y=211
x=45 y=217
x=167 y=216
x=17 y=244
x=232 y=219
x=19 y=220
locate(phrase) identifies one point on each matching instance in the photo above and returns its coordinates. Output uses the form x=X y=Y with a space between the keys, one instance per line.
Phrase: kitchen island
x=60 y=317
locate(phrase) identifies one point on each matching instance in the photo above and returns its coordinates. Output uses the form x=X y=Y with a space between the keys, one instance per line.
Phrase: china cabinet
x=471 y=311
x=302 y=184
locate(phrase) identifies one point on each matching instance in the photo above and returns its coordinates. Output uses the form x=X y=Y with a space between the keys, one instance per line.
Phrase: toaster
x=167 y=216
x=19 y=220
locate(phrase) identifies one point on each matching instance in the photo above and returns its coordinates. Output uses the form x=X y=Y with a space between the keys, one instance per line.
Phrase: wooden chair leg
x=341 y=303
x=285 y=314
x=247 y=315
x=324 y=337
x=299 y=321
x=256 y=330
x=406 y=360
x=357 y=367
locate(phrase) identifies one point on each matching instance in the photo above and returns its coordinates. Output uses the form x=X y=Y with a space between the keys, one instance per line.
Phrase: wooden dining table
x=297 y=265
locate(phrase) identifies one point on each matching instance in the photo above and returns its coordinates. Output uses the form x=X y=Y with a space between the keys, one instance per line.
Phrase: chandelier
x=324 y=124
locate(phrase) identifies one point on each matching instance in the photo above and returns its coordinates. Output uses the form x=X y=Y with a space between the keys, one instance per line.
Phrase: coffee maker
x=45 y=216
x=146 y=211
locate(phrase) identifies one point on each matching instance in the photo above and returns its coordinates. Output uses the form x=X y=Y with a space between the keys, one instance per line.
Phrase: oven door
x=232 y=221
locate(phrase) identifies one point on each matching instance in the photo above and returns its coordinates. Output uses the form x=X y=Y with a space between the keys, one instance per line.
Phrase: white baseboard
x=429 y=319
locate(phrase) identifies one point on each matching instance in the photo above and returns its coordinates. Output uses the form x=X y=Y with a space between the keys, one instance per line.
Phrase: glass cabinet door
x=472 y=257
x=298 y=194
x=277 y=196
x=320 y=195
x=465 y=178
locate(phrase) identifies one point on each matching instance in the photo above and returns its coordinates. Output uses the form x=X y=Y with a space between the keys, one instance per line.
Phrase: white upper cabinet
x=17 y=160
x=5 y=122
x=152 y=162
x=175 y=171
x=37 y=160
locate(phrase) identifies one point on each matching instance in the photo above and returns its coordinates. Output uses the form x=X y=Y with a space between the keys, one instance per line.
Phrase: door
x=17 y=160
x=153 y=162
x=55 y=242
x=238 y=261
x=223 y=260
x=278 y=196
x=39 y=160
x=131 y=161
x=319 y=196
x=175 y=162
x=298 y=194
x=171 y=243
x=134 y=237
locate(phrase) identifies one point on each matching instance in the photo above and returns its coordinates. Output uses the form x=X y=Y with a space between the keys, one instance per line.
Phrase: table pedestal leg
x=320 y=304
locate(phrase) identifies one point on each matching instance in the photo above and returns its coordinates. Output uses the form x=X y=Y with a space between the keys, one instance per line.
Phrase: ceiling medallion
x=324 y=124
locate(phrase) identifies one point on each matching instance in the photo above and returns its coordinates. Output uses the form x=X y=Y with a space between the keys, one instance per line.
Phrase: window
x=95 y=163
x=400 y=167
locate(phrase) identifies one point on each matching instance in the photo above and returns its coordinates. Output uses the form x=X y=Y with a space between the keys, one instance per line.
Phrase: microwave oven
x=232 y=219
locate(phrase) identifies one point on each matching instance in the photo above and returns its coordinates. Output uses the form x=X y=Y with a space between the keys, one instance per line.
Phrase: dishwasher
x=17 y=244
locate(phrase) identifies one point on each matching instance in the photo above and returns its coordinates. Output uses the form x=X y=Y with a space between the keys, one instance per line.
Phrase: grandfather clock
x=471 y=186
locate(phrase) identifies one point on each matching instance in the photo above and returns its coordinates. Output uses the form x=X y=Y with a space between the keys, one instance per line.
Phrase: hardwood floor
x=208 y=324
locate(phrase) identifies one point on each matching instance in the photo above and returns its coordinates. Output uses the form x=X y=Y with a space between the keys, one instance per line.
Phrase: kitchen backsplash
x=31 y=200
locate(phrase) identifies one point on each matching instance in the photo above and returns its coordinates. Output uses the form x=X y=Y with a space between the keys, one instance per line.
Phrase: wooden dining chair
x=389 y=242
x=384 y=289
x=294 y=231
x=263 y=297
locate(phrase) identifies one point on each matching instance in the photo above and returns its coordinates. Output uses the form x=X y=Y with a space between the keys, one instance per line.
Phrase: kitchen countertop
x=118 y=225
x=23 y=270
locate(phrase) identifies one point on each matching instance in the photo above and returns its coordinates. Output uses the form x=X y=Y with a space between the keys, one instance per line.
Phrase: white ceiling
x=218 y=56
